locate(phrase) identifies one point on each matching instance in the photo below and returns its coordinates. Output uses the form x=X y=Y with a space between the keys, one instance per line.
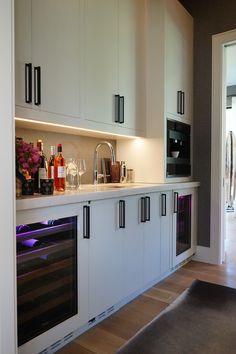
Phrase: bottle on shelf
x=51 y=162
x=32 y=242
x=59 y=171
x=123 y=174
x=43 y=167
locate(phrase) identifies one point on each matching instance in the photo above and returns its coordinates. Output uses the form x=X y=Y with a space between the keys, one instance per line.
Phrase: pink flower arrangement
x=27 y=158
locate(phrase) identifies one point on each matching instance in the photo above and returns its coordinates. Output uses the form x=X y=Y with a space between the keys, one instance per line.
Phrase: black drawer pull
x=28 y=83
x=147 y=209
x=121 y=110
x=122 y=214
x=179 y=101
x=37 y=85
x=86 y=221
x=163 y=204
x=117 y=109
x=182 y=102
x=176 y=202
x=143 y=209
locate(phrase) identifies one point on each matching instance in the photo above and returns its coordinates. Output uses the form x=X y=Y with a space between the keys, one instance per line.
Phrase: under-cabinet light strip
x=72 y=127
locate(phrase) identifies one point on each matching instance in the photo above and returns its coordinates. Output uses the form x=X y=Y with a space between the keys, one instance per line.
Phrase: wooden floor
x=109 y=335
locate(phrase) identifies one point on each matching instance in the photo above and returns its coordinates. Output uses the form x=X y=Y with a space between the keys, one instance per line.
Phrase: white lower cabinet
x=129 y=243
x=105 y=255
x=166 y=215
x=132 y=246
x=152 y=239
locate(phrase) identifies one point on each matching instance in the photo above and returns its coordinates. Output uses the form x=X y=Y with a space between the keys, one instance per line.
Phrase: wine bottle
x=51 y=162
x=59 y=170
x=43 y=167
x=32 y=242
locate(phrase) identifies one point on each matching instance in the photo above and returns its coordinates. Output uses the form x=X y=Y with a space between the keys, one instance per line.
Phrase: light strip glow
x=74 y=128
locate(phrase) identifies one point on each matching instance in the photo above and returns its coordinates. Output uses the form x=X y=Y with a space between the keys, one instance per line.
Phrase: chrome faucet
x=96 y=175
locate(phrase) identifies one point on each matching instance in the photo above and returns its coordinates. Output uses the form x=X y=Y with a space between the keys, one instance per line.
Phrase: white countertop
x=101 y=191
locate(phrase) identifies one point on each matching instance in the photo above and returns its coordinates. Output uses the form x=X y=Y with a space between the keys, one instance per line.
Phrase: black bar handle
x=176 y=202
x=121 y=109
x=163 y=204
x=37 y=85
x=147 y=209
x=117 y=109
x=182 y=102
x=86 y=221
x=122 y=214
x=143 y=209
x=28 y=82
x=179 y=102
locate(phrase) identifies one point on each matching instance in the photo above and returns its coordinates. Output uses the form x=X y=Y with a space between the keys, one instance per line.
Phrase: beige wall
x=76 y=146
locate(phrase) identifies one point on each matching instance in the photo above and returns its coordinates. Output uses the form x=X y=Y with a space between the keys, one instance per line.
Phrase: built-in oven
x=52 y=289
x=178 y=162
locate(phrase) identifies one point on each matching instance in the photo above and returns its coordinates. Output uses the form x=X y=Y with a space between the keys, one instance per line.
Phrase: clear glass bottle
x=59 y=171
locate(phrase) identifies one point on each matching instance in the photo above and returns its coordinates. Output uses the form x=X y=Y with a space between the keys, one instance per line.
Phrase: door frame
x=217 y=233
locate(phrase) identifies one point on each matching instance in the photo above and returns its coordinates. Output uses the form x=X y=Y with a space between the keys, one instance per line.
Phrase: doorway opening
x=230 y=154
x=221 y=225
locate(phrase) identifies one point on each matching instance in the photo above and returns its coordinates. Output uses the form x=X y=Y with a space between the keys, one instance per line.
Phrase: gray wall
x=210 y=17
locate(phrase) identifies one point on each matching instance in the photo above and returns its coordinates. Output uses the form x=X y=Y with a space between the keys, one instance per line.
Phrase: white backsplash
x=75 y=146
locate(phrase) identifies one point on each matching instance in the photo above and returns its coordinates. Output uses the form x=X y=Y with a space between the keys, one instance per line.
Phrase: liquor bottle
x=59 y=170
x=123 y=172
x=51 y=162
x=43 y=167
x=32 y=242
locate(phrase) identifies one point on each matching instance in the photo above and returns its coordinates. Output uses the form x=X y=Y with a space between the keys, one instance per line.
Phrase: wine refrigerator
x=47 y=289
x=183 y=225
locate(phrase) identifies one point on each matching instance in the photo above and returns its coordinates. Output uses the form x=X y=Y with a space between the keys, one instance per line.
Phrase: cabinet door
x=22 y=48
x=105 y=257
x=152 y=240
x=179 y=60
x=166 y=231
x=56 y=46
x=132 y=61
x=100 y=60
x=133 y=247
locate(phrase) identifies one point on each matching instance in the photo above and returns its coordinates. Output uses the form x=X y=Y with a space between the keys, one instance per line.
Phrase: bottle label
x=52 y=172
x=42 y=174
x=61 y=172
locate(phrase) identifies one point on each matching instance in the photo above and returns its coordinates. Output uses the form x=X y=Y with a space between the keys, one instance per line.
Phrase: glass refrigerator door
x=47 y=289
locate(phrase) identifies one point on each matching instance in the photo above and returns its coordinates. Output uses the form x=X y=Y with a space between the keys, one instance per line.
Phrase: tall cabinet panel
x=131 y=37
x=179 y=60
x=48 y=36
x=100 y=59
x=22 y=48
x=105 y=256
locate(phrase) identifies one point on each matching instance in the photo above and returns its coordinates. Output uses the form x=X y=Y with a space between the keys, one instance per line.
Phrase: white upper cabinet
x=179 y=60
x=114 y=89
x=81 y=63
x=47 y=55
x=132 y=84
x=100 y=53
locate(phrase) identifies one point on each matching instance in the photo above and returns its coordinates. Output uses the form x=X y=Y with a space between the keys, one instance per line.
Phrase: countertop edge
x=80 y=196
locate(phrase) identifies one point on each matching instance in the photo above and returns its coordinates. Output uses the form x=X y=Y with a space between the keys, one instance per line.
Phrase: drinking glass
x=71 y=173
x=81 y=169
